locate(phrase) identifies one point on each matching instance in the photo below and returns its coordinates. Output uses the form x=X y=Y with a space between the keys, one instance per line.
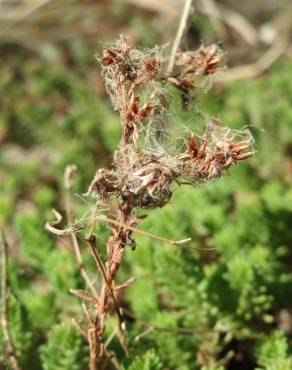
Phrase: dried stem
x=231 y=18
x=141 y=176
x=10 y=352
x=142 y=232
x=180 y=33
x=92 y=350
x=68 y=178
x=92 y=244
x=149 y=330
x=187 y=331
x=79 y=328
x=90 y=333
x=95 y=330
x=261 y=65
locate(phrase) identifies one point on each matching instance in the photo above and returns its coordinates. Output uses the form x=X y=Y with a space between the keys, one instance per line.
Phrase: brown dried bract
x=218 y=151
x=104 y=184
x=205 y=60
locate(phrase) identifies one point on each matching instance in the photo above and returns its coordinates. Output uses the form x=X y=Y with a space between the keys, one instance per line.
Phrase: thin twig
x=125 y=284
x=10 y=352
x=149 y=330
x=91 y=241
x=21 y=17
x=61 y=232
x=79 y=327
x=261 y=65
x=152 y=236
x=92 y=350
x=121 y=327
x=180 y=33
x=180 y=330
x=232 y=19
x=167 y=9
x=142 y=232
x=110 y=338
x=68 y=181
x=90 y=334
x=113 y=359
x=81 y=294
x=239 y=23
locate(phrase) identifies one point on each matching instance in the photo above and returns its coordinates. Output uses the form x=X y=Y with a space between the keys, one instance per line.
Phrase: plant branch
x=180 y=33
x=188 y=331
x=95 y=349
x=68 y=181
x=232 y=19
x=142 y=232
x=8 y=343
x=257 y=68
x=92 y=244
x=151 y=235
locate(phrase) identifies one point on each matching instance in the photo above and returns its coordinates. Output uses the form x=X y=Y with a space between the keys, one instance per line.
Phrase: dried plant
x=146 y=169
x=10 y=353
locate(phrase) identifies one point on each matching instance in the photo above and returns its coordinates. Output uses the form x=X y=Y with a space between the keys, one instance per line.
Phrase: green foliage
x=21 y=330
x=41 y=309
x=148 y=361
x=35 y=245
x=60 y=271
x=272 y=353
x=64 y=349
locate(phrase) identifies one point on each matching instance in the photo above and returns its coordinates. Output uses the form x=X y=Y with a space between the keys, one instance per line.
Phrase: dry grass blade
x=50 y=226
x=68 y=182
x=10 y=352
x=261 y=65
x=232 y=19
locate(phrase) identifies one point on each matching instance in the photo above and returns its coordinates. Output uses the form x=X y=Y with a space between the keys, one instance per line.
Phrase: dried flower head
x=205 y=60
x=217 y=151
x=143 y=175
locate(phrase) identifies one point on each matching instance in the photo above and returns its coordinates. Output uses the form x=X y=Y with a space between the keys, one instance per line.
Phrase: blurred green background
x=54 y=111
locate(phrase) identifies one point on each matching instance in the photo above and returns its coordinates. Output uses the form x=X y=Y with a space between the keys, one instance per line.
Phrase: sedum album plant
x=156 y=154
